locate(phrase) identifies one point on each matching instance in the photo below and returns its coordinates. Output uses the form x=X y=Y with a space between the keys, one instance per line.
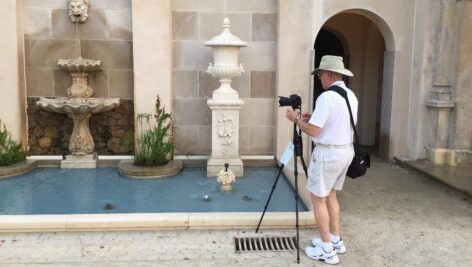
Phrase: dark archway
x=326 y=43
x=361 y=44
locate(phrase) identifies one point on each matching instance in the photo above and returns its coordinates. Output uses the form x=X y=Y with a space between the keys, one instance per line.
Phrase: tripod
x=297 y=152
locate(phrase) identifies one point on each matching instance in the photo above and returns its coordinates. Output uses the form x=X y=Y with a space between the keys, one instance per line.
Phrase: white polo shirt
x=332 y=116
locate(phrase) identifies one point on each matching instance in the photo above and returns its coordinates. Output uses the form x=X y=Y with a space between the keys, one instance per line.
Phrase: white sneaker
x=339 y=247
x=318 y=253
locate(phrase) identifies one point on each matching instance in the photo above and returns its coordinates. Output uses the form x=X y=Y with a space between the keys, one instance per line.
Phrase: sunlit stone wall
x=197 y=21
x=106 y=36
x=462 y=133
x=50 y=35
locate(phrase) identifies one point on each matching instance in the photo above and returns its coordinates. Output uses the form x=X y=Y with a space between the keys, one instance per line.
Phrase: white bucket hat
x=334 y=64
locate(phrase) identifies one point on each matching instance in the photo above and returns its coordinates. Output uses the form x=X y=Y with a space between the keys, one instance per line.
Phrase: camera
x=295 y=101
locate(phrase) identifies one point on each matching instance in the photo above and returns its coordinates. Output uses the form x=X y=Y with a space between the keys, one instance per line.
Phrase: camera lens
x=284 y=101
x=294 y=101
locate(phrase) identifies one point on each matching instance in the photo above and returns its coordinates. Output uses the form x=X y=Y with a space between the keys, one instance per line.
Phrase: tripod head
x=295 y=101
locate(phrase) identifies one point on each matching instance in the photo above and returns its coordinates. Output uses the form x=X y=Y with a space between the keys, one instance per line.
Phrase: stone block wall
x=194 y=23
x=105 y=36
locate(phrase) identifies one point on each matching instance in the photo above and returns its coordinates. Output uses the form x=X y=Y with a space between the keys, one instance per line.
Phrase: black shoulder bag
x=361 y=160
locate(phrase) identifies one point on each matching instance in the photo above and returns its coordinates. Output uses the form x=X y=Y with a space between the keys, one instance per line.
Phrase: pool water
x=104 y=190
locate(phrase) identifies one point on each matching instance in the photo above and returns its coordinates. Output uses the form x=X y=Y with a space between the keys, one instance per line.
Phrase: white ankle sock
x=334 y=238
x=327 y=247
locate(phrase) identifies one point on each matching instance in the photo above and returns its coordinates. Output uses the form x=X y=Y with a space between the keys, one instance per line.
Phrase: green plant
x=128 y=141
x=155 y=146
x=10 y=150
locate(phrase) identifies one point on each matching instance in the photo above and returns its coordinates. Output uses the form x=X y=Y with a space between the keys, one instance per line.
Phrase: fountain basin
x=143 y=204
x=81 y=144
x=89 y=190
x=77 y=105
x=79 y=64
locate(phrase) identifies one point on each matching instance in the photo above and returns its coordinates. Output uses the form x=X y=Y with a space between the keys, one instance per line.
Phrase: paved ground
x=392 y=217
x=459 y=177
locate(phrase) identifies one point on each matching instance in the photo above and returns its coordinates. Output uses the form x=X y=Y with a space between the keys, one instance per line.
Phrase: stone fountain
x=226 y=178
x=79 y=106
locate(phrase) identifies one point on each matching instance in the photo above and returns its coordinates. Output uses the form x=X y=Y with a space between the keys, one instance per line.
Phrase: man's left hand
x=291 y=115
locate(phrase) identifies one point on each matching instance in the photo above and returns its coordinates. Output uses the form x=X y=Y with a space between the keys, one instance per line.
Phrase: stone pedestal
x=225 y=136
x=79 y=162
x=225 y=103
x=441 y=102
x=440 y=117
x=440 y=106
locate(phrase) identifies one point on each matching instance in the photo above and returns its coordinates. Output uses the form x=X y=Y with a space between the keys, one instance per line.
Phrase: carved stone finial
x=78 y=10
x=226 y=23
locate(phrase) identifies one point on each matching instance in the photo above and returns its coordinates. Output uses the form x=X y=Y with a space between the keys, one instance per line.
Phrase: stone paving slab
x=458 y=177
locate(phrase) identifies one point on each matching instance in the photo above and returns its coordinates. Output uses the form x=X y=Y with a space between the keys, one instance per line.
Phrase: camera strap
x=343 y=93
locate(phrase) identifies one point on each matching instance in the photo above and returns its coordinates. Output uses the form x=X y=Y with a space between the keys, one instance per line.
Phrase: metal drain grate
x=265 y=243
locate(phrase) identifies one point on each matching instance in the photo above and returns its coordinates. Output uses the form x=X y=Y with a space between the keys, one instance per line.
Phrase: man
x=331 y=131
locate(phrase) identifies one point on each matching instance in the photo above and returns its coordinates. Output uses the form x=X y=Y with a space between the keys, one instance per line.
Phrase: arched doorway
x=360 y=42
x=327 y=43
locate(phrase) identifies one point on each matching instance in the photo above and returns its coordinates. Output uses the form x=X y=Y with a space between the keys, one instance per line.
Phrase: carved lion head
x=78 y=10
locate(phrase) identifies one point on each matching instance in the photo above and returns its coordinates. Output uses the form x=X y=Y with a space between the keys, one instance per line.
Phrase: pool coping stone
x=18 y=168
x=152 y=221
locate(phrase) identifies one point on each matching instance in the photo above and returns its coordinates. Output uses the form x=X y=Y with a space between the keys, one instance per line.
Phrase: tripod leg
x=296 y=208
x=300 y=150
x=304 y=166
x=270 y=196
x=297 y=143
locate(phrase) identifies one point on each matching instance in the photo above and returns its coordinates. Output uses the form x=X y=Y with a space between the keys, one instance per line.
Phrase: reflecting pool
x=104 y=190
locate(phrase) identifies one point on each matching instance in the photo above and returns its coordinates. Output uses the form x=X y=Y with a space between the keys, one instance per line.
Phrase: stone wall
x=50 y=35
x=462 y=132
x=106 y=35
x=195 y=22
x=12 y=86
x=49 y=132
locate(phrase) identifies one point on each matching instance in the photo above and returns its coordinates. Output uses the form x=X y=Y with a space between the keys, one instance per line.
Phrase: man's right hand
x=306 y=116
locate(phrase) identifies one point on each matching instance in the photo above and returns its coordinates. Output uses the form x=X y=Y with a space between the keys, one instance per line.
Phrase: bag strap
x=343 y=93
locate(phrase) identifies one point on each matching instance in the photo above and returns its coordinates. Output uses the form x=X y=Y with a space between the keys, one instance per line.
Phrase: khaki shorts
x=328 y=167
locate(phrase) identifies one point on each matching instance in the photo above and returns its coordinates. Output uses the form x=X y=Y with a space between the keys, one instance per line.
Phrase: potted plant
x=153 y=147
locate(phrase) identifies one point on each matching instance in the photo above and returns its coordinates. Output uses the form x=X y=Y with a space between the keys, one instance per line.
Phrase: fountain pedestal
x=225 y=103
x=79 y=162
x=81 y=144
